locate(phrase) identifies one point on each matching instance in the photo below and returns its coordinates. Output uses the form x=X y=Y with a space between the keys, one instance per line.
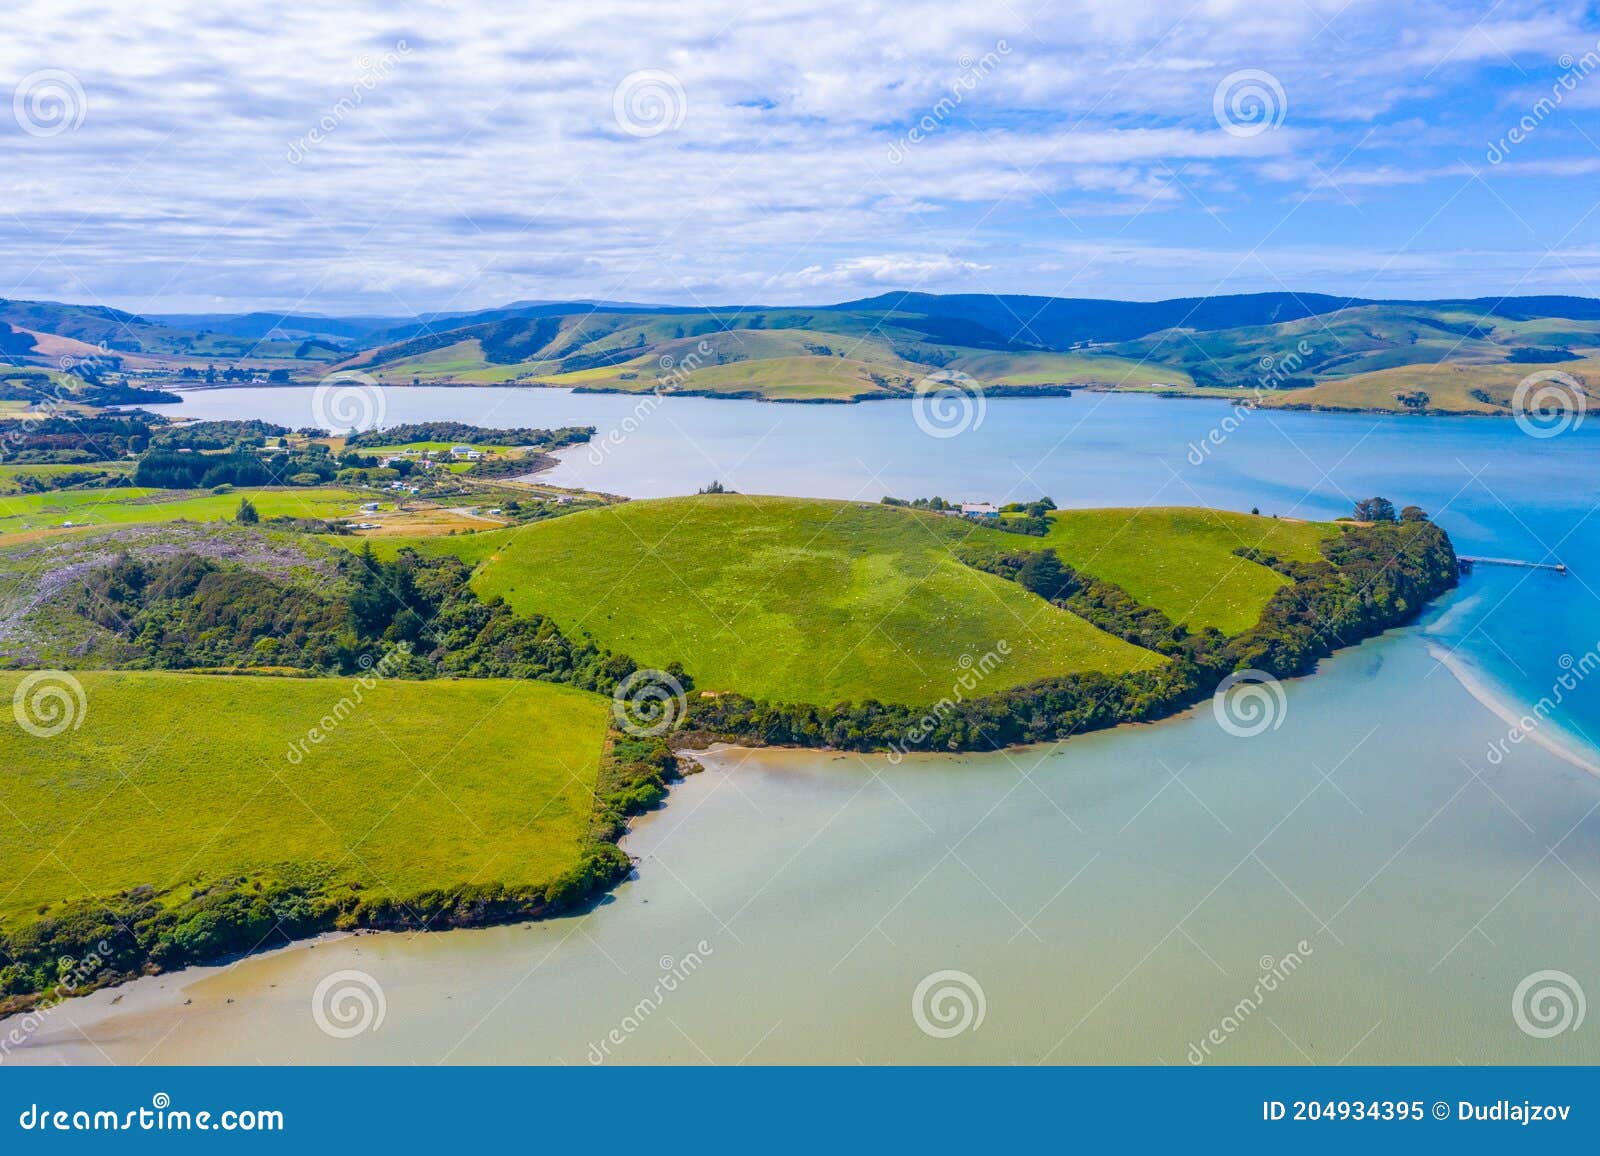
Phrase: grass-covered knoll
x=131 y=505
x=178 y=781
x=1181 y=560
x=1177 y=559
x=788 y=599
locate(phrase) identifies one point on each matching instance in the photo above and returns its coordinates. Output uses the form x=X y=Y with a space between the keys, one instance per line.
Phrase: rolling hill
x=1303 y=348
x=789 y=599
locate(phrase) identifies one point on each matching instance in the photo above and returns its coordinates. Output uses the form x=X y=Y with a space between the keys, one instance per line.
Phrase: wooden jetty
x=1468 y=563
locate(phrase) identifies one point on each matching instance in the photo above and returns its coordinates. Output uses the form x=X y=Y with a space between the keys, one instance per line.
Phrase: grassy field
x=177 y=779
x=11 y=476
x=1067 y=369
x=791 y=599
x=1180 y=560
x=1450 y=387
x=802 y=378
x=21 y=513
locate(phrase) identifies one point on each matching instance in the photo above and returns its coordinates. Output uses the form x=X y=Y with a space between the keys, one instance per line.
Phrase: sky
x=396 y=157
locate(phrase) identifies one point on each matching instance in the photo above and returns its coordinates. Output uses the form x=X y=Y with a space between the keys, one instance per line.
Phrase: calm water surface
x=1119 y=898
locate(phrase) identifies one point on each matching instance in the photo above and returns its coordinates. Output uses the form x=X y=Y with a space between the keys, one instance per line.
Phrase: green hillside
x=422 y=785
x=1181 y=561
x=1449 y=388
x=780 y=355
x=1177 y=559
x=877 y=348
x=795 y=600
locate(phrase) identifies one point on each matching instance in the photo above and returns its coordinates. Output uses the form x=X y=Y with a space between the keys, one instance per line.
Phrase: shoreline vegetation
x=107 y=610
x=79 y=945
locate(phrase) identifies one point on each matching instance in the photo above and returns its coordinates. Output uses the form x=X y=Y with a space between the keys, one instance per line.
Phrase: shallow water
x=1114 y=898
x=1368 y=880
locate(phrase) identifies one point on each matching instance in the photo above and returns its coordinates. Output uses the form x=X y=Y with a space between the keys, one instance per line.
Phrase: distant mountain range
x=1307 y=347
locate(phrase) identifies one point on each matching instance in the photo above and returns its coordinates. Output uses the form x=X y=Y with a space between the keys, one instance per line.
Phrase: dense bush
x=458 y=433
x=76 y=439
x=217 y=435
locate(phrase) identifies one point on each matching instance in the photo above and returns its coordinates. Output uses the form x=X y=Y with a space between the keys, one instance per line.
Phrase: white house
x=979 y=510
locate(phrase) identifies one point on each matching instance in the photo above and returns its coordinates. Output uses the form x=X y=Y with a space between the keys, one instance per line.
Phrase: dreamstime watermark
x=1574 y=72
x=160 y=1116
x=373 y=72
x=1574 y=672
x=347 y=402
x=1248 y=703
x=348 y=1003
x=374 y=673
x=649 y=703
x=72 y=975
x=1274 y=973
x=49 y=102
x=55 y=401
x=948 y=403
x=947 y=1003
x=101 y=358
x=973 y=672
x=47 y=703
x=1548 y=403
x=649 y=102
x=1274 y=372
x=1548 y=1003
x=674 y=972
x=973 y=73
x=1249 y=102
x=675 y=372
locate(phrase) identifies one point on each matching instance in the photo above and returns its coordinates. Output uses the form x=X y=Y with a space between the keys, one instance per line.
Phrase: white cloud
x=383 y=158
x=884 y=270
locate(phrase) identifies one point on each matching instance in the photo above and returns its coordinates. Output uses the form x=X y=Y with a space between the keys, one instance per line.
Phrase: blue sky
x=394 y=157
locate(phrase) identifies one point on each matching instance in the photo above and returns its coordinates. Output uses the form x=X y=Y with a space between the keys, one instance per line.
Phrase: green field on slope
x=1067 y=369
x=1180 y=560
x=1447 y=388
x=789 y=599
x=126 y=505
x=183 y=779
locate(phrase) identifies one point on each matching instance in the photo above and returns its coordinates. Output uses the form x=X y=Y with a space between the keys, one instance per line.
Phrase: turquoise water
x=1381 y=876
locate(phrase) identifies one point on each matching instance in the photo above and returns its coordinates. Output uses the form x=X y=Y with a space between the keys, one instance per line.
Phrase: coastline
x=1061 y=390
x=259 y=1009
x=1499 y=702
x=635 y=782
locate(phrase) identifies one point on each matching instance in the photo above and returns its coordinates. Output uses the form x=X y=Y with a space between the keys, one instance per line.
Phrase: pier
x=1468 y=563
